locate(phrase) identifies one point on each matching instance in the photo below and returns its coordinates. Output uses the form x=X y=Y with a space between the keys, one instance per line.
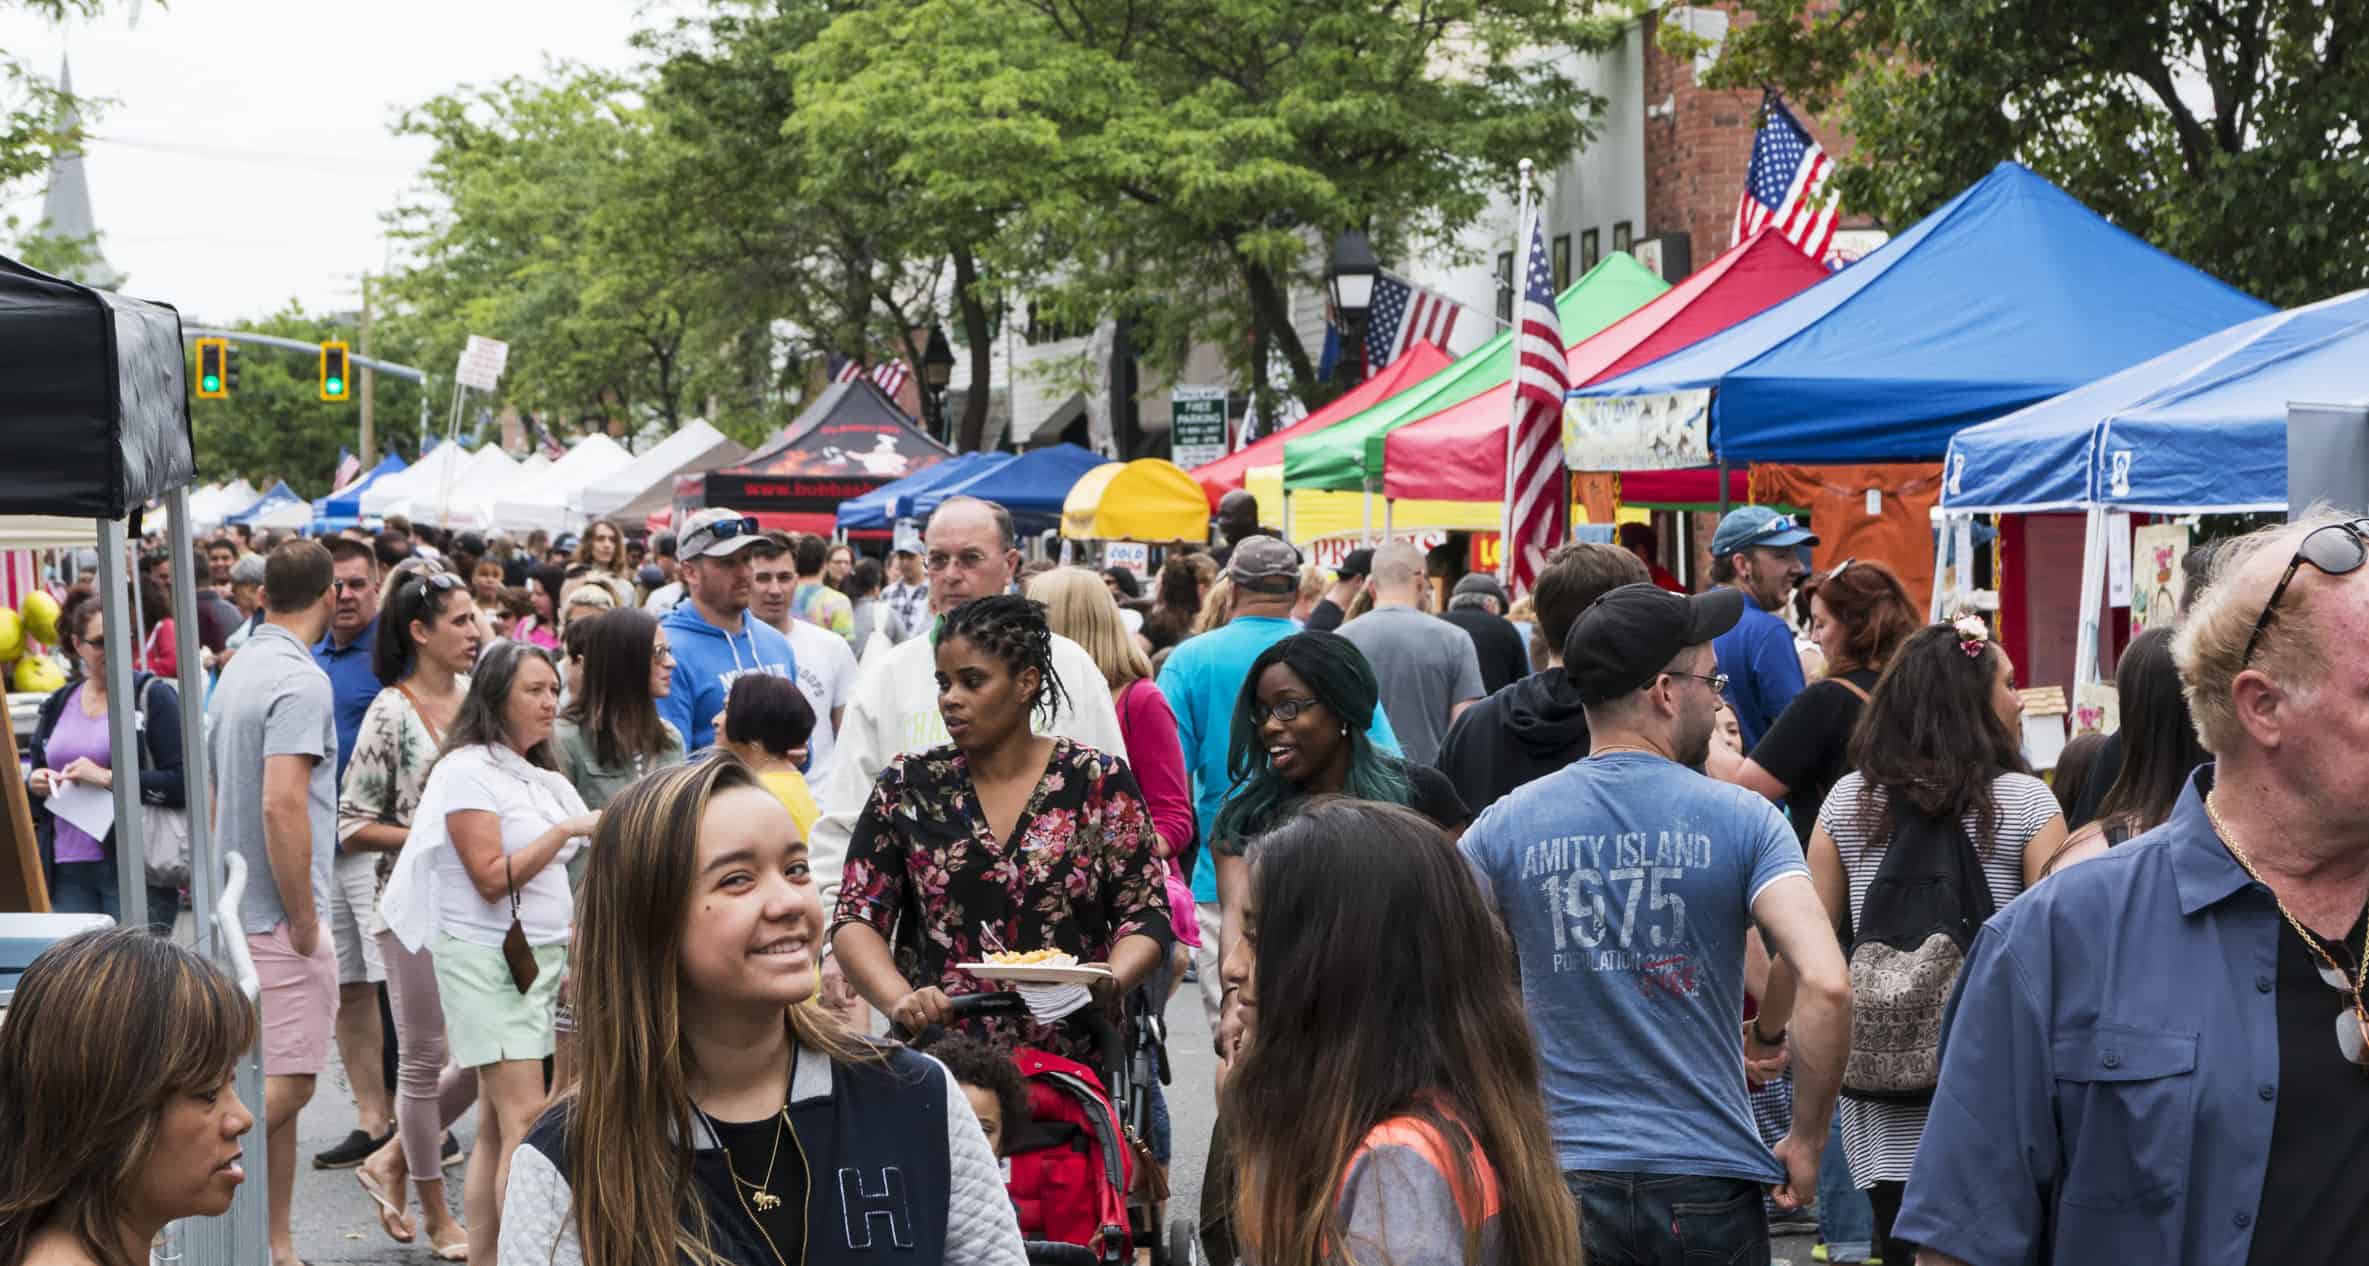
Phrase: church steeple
x=65 y=205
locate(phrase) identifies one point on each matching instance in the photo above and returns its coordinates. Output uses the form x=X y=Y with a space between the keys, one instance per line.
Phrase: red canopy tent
x=1412 y=366
x=1458 y=453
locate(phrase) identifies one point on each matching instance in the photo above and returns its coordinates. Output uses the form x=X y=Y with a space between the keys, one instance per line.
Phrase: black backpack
x=1913 y=933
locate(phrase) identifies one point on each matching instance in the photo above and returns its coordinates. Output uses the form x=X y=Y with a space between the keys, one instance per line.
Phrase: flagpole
x=1506 y=545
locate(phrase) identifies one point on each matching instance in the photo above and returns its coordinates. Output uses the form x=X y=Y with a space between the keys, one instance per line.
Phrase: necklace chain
x=2319 y=951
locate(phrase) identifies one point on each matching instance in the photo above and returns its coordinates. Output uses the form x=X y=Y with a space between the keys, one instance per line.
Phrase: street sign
x=482 y=362
x=1197 y=425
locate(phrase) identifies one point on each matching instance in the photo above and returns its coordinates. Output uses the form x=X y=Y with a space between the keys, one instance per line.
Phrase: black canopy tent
x=94 y=415
x=851 y=440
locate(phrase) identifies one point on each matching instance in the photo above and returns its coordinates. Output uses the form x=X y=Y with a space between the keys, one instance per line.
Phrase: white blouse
x=430 y=892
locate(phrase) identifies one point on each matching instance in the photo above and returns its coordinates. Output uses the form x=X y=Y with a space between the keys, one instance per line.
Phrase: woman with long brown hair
x=602 y=547
x=716 y=1119
x=1369 y=952
x=1859 y=615
x=109 y=1139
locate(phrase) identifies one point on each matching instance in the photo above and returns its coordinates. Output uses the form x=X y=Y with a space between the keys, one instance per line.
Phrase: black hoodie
x=1526 y=731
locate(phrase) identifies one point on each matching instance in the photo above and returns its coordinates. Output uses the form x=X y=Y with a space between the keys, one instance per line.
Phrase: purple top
x=77 y=735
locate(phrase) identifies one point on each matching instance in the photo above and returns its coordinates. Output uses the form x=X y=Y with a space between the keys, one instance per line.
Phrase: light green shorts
x=486 y=1019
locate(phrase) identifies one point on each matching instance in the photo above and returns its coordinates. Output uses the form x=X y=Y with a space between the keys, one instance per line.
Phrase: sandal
x=390 y=1214
x=457 y=1251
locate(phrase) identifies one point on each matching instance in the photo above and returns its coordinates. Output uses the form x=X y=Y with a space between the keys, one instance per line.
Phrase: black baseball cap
x=1629 y=636
x=1357 y=562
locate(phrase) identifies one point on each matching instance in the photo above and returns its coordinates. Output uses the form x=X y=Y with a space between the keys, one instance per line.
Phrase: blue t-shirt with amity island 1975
x=1627 y=882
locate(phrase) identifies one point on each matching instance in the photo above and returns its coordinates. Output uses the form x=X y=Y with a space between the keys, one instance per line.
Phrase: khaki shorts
x=299 y=1002
x=353 y=905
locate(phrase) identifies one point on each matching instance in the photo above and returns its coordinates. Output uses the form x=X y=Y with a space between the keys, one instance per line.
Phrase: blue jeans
x=93 y=888
x=1845 y=1222
x=1670 y=1220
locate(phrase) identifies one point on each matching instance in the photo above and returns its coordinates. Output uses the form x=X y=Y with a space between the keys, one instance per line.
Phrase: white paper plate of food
x=1037 y=967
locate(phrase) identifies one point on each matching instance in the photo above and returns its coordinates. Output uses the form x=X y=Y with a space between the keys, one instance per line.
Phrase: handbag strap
x=435 y=735
x=510 y=881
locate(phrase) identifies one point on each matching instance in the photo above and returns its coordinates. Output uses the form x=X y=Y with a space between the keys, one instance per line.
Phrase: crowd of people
x=1617 y=923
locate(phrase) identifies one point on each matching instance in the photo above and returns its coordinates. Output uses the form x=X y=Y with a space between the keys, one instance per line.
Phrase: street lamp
x=937 y=369
x=1351 y=279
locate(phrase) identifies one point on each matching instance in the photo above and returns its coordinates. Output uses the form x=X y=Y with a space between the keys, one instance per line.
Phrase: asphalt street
x=336 y=1222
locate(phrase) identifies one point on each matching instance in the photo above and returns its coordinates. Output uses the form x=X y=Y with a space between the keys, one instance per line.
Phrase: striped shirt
x=1880 y=1137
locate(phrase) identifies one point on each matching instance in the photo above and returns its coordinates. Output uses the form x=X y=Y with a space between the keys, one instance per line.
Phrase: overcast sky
x=247 y=159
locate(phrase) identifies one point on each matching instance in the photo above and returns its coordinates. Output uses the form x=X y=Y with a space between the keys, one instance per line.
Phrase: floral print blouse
x=1083 y=874
x=383 y=781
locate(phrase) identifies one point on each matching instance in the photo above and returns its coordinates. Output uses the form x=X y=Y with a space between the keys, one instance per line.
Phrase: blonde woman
x=1217 y=606
x=715 y=1119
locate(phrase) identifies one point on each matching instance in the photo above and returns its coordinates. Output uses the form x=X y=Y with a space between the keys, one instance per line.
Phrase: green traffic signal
x=213 y=382
x=336 y=386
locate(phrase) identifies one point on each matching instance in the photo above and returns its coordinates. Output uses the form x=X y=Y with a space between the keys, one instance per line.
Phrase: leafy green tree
x=275 y=426
x=2228 y=132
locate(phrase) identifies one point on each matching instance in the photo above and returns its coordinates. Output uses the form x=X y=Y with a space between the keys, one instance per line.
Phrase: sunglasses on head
x=726 y=529
x=2337 y=549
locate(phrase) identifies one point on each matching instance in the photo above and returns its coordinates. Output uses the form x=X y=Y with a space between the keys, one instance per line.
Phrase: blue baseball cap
x=1748 y=526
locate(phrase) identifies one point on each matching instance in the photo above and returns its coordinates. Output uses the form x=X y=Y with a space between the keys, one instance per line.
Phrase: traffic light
x=334 y=384
x=230 y=368
x=213 y=382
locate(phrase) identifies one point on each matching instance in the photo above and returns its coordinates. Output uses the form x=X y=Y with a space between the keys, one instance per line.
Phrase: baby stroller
x=1082 y=1177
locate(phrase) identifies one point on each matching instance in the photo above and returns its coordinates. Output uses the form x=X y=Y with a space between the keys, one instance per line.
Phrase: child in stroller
x=1073 y=1138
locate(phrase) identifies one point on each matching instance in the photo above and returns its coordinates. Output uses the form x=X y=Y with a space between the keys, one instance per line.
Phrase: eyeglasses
x=1286 y=710
x=1716 y=681
x=2337 y=549
x=968 y=560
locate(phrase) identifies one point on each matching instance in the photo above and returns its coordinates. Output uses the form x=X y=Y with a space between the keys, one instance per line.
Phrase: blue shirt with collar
x=2110 y=1064
x=1202 y=680
x=1763 y=670
x=353 y=682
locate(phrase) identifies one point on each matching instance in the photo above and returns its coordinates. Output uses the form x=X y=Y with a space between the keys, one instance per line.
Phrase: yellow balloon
x=12 y=634
x=41 y=616
x=38 y=674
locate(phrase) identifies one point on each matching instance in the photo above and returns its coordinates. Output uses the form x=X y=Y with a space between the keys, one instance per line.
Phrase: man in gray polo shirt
x=272 y=749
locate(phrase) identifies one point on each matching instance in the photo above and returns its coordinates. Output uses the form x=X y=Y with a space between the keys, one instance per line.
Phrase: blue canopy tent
x=2011 y=293
x=270 y=507
x=2201 y=429
x=884 y=505
x=1031 y=486
x=343 y=508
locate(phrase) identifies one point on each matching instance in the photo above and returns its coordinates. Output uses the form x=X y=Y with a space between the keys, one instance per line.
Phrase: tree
x=276 y=426
x=2228 y=132
x=1182 y=164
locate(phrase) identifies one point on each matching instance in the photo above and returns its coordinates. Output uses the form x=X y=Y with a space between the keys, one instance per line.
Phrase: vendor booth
x=549 y=500
x=1148 y=500
x=2201 y=429
x=1232 y=471
x=850 y=441
x=646 y=486
x=342 y=508
x=879 y=509
x=208 y=507
x=2008 y=294
x=1032 y=486
x=94 y=400
x=279 y=509
x=392 y=493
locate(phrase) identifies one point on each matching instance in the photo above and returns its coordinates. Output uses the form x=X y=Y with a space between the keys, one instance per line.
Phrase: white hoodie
x=895 y=711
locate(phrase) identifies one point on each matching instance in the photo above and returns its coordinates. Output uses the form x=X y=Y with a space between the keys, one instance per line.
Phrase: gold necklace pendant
x=765 y=1201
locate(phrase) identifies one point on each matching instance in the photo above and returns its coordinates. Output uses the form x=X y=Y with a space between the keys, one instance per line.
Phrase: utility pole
x=367 y=454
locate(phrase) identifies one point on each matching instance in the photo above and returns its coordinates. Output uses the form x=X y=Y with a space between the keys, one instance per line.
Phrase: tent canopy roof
x=1147 y=499
x=96 y=398
x=1458 y=454
x=2011 y=293
x=1031 y=486
x=878 y=508
x=647 y=484
x=2201 y=428
x=1232 y=471
x=1341 y=458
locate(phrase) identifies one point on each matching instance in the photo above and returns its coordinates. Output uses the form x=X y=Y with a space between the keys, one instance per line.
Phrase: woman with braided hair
x=1002 y=839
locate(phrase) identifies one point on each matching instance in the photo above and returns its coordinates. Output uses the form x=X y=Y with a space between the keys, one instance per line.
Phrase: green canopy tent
x=1343 y=457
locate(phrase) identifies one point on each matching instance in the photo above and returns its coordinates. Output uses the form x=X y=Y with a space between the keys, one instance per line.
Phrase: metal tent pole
x=188 y=650
x=123 y=736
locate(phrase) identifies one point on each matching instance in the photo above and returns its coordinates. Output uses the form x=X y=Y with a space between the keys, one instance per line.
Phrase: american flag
x=544 y=440
x=848 y=368
x=891 y=377
x=1400 y=316
x=1536 y=512
x=349 y=469
x=1787 y=185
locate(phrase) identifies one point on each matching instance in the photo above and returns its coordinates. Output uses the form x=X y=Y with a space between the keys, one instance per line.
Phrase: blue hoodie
x=706 y=661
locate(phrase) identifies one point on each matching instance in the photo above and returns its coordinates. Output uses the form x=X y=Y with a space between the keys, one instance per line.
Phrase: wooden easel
x=22 y=890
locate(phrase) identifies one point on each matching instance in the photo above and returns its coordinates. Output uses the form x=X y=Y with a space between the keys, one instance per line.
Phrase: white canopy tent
x=430 y=473
x=209 y=506
x=549 y=501
x=647 y=486
x=464 y=499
